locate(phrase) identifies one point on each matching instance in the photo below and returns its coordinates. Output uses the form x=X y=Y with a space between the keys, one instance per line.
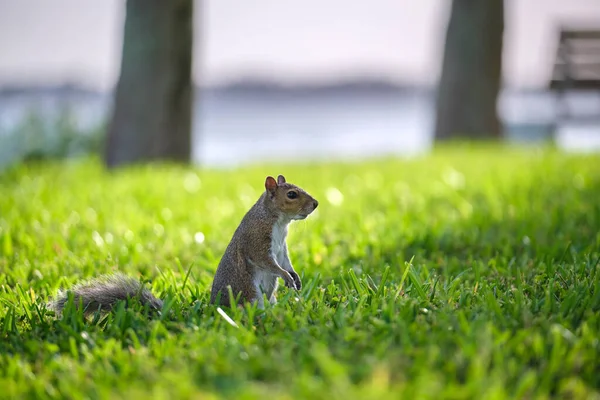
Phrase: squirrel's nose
x=315 y=204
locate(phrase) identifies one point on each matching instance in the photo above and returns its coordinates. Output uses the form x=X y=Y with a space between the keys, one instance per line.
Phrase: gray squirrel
x=256 y=256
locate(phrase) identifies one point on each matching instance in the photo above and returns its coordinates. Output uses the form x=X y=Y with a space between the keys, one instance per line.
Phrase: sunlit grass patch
x=469 y=273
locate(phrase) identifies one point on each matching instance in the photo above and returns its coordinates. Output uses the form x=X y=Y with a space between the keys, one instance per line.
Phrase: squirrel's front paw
x=290 y=281
x=297 y=280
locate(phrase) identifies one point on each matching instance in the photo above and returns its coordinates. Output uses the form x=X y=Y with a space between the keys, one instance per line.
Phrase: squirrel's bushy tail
x=102 y=293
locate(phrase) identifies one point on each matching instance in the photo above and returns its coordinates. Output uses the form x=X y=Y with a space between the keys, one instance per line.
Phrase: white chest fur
x=265 y=281
x=278 y=236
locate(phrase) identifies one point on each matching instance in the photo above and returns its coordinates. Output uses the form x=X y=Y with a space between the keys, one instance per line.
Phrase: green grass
x=470 y=273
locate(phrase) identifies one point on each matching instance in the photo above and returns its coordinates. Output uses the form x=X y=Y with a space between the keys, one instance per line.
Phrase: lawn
x=467 y=273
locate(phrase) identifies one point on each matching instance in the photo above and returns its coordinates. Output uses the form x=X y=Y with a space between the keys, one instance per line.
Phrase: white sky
x=58 y=40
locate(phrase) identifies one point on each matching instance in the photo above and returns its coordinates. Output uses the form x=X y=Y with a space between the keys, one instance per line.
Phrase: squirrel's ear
x=280 y=179
x=270 y=184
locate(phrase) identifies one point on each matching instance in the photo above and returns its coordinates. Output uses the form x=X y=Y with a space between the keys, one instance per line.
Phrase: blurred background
x=272 y=80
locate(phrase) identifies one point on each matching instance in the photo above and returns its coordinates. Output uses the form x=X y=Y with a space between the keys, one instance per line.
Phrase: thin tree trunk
x=153 y=101
x=471 y=71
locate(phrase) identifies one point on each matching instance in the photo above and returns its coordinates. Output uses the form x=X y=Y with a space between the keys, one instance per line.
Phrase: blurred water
x=232 y=129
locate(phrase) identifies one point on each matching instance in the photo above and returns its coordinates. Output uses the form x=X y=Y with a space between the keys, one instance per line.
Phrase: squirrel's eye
x=292 y=195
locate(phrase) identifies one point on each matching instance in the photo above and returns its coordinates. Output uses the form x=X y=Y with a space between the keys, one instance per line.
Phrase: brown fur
x=249 y=256
x=103 y=293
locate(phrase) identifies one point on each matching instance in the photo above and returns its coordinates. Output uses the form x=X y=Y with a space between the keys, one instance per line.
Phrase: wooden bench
x=577 y=68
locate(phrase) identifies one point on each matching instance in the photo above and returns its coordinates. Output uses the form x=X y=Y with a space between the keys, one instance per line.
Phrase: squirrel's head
x=289 y=199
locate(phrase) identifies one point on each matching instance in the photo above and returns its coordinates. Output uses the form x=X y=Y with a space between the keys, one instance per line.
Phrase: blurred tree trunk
x=154 y=96
x=471 y=71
